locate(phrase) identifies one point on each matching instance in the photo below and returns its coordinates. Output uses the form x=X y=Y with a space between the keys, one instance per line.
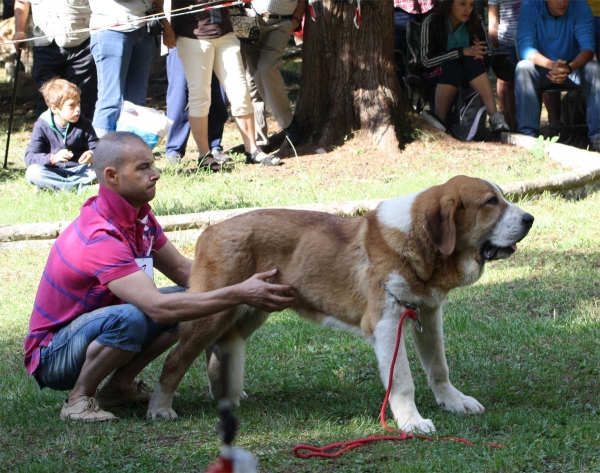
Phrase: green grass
x=184 y=190
x=524 y=341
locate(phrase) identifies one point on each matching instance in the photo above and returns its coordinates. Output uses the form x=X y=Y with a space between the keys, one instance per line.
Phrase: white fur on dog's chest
x=401 y=290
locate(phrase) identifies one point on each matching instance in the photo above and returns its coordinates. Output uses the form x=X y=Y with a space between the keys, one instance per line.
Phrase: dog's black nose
x=528 y=220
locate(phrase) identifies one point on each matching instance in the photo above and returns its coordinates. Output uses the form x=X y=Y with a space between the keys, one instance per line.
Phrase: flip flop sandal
x=267 y=160
x=209 y=162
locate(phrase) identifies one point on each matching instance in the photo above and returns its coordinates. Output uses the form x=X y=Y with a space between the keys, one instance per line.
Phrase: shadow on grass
x=8 y=175
x=525 y=343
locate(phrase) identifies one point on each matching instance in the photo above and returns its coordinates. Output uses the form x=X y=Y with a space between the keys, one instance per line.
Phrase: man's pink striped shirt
x=98 y=247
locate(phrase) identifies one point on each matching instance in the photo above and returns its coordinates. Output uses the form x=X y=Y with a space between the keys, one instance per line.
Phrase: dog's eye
x=492 y=201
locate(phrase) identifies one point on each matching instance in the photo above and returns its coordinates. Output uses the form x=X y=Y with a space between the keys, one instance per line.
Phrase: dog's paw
x=416 y=425
x=451 y=399
x=161 y=413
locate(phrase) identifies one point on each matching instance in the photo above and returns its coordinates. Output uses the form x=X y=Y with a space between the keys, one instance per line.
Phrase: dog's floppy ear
x=440 y=227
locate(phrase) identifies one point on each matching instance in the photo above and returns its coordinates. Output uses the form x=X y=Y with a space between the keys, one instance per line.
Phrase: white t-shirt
x=119 y=15
x=58 y=19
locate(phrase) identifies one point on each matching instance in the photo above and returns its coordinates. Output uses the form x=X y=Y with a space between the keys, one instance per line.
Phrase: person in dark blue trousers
x=177 y=101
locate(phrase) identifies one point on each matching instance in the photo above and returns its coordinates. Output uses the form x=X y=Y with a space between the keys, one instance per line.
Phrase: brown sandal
x=209 y=162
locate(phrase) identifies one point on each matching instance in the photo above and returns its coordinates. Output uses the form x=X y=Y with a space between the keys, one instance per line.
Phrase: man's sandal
x=260 y=157
x=209 y=162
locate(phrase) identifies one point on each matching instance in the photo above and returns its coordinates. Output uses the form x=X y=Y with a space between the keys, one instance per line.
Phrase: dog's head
x=468 y=214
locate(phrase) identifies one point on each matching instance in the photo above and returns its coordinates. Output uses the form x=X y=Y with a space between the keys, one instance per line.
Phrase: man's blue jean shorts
x=121 y=326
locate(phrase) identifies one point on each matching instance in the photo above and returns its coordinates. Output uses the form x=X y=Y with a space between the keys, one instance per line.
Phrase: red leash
x=343 y=447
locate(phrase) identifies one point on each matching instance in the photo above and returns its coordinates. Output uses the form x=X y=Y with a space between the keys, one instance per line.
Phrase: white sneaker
x=174 y=158
x=432 y=120
x=498 y=123
x=84 y=408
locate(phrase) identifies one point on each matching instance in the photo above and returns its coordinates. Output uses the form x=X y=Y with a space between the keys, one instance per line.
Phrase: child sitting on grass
x=60 y=153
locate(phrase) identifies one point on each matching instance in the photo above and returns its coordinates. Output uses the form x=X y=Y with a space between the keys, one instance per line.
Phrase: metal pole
x=12 y=105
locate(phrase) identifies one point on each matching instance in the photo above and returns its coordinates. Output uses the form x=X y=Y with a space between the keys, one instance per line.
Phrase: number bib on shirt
x=147 y=265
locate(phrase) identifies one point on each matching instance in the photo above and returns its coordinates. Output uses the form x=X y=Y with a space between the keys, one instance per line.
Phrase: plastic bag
x=149 y=124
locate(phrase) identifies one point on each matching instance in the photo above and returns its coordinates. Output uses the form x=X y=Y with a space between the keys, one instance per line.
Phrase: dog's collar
x=406 y=304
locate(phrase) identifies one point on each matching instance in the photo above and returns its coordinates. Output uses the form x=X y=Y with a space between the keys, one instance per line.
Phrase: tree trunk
x=348 y=78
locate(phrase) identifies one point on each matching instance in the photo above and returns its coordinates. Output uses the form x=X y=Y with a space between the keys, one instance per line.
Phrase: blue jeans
x=597 y=30
x=177 y=101
x=123 y=60
x=121 y=326
x=59 y=178
x=529 y=79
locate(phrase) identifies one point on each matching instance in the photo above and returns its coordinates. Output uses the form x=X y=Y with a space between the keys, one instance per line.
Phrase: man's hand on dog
x=259 y=291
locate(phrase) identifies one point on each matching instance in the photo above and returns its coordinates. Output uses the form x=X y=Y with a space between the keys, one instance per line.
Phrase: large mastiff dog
x=357 y=273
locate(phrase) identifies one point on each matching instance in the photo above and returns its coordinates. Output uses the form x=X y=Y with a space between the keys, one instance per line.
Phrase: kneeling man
x=97 y=312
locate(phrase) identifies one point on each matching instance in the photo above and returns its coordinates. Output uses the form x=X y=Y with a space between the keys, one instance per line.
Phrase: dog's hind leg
x=194 y=338
x=232 y=347
x=232 y=344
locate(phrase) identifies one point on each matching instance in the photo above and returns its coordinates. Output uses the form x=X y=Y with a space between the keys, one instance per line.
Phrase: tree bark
x=348 y=77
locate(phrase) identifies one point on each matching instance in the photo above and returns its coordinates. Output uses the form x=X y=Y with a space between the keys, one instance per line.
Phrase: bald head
x=114 y=149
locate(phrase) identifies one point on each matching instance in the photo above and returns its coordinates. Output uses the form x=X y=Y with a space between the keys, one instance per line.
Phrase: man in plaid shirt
x=277 y=20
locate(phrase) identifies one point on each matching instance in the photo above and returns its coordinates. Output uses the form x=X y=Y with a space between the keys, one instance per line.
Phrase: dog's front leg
x=402 y=396
x=430 y=346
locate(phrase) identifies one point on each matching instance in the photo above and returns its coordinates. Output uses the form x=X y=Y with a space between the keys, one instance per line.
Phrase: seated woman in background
x=454 y=43
x=205 y=41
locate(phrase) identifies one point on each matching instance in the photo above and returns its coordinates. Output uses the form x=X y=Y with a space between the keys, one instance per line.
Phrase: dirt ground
x=357 y=157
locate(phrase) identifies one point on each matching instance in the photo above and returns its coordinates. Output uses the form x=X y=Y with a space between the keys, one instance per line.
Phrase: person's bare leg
x=444 y=97
x=199 y=128
x=100 y=361
x=481 y=85
x=123 y=378
x=245 y=124
x=552 y=103
x=506 y=100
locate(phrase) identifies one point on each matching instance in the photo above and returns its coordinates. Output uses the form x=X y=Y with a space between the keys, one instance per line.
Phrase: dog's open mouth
x=491 y=252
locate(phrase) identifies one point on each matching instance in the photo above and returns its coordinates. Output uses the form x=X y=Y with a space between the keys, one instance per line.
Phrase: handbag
x=245 y=27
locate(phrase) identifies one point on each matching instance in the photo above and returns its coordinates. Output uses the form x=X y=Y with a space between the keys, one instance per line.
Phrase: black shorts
x=459 y=72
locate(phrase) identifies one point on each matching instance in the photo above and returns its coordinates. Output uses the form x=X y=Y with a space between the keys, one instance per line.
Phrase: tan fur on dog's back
x=256 y=242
